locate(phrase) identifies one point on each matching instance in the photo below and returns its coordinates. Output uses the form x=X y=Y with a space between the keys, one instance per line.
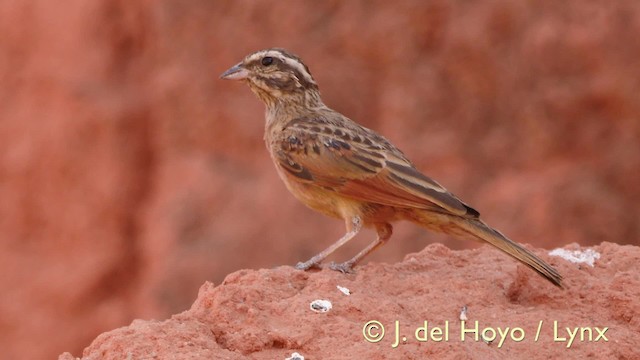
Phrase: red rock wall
x=129 y=174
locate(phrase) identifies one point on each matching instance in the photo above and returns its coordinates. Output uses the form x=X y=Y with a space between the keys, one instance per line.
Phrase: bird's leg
x=384 y=233
x=353 y=227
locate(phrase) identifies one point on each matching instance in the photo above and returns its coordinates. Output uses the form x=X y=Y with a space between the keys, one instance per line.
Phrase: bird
x=346 y=171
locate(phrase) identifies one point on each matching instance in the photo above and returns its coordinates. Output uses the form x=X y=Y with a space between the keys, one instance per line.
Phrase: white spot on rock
x=588 y=256
x=463 y=313
x=320 y=306
x=344 y=290
x=295 y=356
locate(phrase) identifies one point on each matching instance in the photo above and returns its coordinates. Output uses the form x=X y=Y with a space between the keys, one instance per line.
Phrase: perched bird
x=346 y=171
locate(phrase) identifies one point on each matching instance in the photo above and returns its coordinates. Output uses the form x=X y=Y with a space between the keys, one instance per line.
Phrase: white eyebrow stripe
x=295 y=64
x=300 y=68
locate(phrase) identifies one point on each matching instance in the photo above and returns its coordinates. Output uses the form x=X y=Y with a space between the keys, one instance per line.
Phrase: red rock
x=265 y=314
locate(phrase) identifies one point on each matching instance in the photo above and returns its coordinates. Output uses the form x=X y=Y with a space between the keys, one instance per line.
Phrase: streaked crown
x=273 y=73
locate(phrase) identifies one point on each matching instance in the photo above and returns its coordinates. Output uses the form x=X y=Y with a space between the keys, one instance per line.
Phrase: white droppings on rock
x=463 y=313
x=320 y=306
x=344 y=290
x=588 y=256
x=295 y=356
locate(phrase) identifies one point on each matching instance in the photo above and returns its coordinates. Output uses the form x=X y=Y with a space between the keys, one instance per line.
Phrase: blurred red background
x=130 y=174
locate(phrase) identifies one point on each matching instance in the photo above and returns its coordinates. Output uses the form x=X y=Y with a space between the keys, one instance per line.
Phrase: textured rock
x=265 y=314
x=130 y=174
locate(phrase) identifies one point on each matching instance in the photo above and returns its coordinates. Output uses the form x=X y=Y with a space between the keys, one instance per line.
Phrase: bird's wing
x=360 y=164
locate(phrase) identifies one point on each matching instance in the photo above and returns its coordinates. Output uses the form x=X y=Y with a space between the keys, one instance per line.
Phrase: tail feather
x=480 y=230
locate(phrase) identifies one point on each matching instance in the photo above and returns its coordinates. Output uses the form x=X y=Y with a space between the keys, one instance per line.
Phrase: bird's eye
x=267 y=60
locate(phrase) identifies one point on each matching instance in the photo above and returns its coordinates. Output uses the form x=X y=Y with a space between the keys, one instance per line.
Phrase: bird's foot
x=304 y=266
x=345 y=267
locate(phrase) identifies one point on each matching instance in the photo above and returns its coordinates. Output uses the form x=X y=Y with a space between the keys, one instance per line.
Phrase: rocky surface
x=130 y=174
x=266 y=314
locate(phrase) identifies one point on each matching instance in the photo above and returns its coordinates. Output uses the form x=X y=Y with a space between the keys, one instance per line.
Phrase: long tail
x=479 y=229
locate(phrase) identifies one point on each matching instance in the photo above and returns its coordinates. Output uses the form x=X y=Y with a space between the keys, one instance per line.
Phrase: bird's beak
x=238 y=72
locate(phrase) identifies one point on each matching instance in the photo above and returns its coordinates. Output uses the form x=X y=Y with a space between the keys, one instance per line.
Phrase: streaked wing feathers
x=371 y=170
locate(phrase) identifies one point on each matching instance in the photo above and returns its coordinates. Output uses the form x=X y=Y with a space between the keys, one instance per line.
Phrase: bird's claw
x=345 y=267
x=304 y=266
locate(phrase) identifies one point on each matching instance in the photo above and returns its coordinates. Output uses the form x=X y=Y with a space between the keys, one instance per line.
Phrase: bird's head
x=275 y=76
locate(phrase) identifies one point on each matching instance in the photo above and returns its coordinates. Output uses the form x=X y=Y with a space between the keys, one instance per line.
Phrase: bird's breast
x=325 y=201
